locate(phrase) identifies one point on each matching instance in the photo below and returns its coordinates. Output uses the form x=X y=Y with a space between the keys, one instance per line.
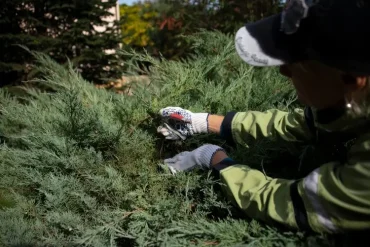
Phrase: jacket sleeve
x=245 y=128
x=333 y=198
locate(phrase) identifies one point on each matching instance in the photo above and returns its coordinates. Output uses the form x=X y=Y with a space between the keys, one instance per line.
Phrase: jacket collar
x=333 y=120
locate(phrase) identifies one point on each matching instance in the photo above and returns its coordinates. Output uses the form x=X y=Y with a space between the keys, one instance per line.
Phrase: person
x=322 y=47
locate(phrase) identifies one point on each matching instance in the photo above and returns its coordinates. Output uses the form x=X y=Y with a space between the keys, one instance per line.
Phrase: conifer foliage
x=82 y=166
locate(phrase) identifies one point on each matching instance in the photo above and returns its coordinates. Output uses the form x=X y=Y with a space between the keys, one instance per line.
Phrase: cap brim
x=263 y=44
x=335 y=35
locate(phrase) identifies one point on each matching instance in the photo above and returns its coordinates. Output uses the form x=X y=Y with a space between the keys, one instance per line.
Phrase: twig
x=127 y=214
x=211 y=243
x=206 y=243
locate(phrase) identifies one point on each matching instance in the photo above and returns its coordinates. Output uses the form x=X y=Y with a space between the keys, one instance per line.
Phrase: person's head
x=321 y=45
x=321 y=86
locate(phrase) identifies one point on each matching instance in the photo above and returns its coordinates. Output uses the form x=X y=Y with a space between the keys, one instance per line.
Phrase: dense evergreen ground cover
x=82 y=166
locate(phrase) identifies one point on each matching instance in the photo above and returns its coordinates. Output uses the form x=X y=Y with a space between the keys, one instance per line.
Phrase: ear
x=354 y=83
x=361 y=82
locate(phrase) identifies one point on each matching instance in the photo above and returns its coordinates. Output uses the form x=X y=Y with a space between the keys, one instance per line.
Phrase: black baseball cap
x=334 y=32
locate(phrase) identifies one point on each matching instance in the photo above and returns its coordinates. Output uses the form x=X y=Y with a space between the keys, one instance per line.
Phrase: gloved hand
x=200 y=157
x=179 y=123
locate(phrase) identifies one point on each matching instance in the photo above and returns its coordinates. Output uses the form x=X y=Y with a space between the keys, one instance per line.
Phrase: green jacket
x=333 y=198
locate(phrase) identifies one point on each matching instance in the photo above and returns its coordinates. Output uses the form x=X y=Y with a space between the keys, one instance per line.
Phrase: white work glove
x=179 y=123
x=200 y=157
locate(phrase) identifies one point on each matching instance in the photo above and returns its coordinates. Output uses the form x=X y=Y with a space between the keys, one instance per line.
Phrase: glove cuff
x=199 y=123
x=205 y=153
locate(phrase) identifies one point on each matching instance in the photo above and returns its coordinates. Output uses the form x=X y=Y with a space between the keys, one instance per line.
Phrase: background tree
x=137 y=24
x=92 y=50
x=62 y=29
x=232 y=14
x=180 y=18
x=24 y=23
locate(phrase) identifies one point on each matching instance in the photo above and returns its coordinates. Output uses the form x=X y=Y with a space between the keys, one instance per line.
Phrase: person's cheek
x=302 y=93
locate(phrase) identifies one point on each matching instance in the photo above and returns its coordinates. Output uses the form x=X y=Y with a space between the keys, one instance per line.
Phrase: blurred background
x=89 y=33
